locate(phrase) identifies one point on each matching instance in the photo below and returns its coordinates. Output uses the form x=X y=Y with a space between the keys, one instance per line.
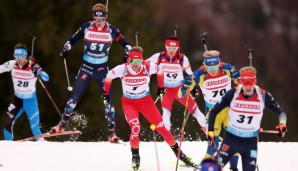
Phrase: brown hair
x=248 y=68
x=99 y=7
x=20 y=45
x=136 y=49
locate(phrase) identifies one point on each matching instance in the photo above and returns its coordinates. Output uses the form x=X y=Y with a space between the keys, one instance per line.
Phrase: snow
x=91 y=156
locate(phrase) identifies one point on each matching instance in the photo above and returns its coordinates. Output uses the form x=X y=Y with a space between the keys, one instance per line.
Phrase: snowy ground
x=104 y=156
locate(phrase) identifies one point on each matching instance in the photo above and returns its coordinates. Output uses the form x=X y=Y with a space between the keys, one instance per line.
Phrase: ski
x=47 y=134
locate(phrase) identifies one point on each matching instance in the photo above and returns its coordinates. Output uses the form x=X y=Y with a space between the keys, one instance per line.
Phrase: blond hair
x=211 y=53
x=136 y=49
x=248 y=68
x=99 y=7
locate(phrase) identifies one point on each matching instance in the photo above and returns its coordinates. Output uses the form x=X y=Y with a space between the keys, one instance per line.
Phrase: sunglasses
x=136 y=61
x=19 y=57
x=210 y=68
x=171 y=48
x=250 y=82
x=100 y=20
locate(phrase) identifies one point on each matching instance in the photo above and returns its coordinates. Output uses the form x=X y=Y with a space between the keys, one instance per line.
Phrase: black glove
x=125 y=58
x=161 y=91
x=195 y=92
x=187 y=81
x=282 y=130
x=235 y=74
x=36 y=69
x=105 y=98
x=63 y=54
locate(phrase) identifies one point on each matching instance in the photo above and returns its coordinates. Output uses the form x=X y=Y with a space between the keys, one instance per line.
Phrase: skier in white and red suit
x=173 y=63
x=135 y=78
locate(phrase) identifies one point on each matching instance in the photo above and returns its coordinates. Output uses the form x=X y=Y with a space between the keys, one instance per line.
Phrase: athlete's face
x=212 y=70
x=21 y=61
x=248 y=89
x=136 y=64
x=171 y=50
x=100 y=21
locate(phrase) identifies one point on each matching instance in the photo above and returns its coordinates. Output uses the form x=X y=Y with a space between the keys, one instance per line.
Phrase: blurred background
x=268 y=26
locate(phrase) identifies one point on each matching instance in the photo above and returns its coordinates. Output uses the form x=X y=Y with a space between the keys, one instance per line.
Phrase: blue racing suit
x=97 y=43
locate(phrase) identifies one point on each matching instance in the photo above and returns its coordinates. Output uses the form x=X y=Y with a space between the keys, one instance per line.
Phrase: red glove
x=282 y=129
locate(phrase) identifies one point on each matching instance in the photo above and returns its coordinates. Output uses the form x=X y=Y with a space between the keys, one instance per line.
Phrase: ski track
x=97 y=156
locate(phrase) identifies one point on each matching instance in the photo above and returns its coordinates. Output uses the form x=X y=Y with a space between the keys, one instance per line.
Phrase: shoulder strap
x=146 y=67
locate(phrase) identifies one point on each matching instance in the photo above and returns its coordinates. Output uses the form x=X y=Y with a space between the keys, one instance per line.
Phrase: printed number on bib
x=134 y=88
x=93 y=46
x=220 y=92
x=23 y=83
x=173 y=75
x=243 y=118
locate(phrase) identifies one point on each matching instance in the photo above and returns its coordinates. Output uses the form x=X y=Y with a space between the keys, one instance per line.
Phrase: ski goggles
x=20 y=53
x=171 y=48
x=248 y=78
x=100 y=20
x=136 y=61
x=212 y=68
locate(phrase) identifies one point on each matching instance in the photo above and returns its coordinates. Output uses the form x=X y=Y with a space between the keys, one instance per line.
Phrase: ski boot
x=183 y=157
x=113 y=138
x=62 y=125
x=135 y=162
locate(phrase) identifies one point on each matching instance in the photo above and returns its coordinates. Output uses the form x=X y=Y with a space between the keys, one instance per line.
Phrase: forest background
x=268 y=26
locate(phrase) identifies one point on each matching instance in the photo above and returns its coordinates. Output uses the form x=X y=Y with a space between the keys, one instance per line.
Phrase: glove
x=282 y=129
x=125 y=58
x=211 y=137
x=105 y=98
x=187 y=81
x=161 y=91
x=235 y=74
x=63 y=54
x=195 y=92
x=36 y=69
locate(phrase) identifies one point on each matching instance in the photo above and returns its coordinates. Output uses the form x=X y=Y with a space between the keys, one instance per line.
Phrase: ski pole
x=69 y=88
x=268 y=131
x=40 y=81
x=185 y=118
x=49 y=95
x=135 y=33
x=32 y=44
x=156 y=99
x=204 y=37
x=153 y=127
x=107 y=3
x=176 y=27
x=251 y=51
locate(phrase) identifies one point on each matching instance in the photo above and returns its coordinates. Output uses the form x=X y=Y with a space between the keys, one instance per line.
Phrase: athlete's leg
x=100 y=75
x=82 y=81
x=152 y=114
x=166 y=103
x=190 y=103
x=31 y=108
x=132 y=118
x=13 y=113
x=249 y=154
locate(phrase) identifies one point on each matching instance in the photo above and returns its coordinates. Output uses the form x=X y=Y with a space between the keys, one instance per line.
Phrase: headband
x=99 y=14
x=20 y=53
x=135 y=55
x=248 y=75
x=172 y=43
x=211 y=61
